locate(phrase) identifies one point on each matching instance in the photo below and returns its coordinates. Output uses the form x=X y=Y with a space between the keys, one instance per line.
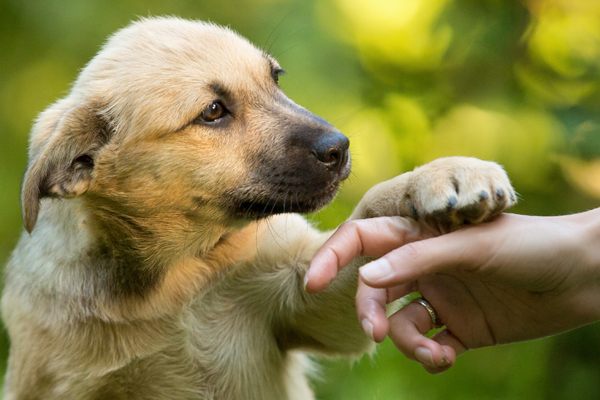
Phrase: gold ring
x=435 y=321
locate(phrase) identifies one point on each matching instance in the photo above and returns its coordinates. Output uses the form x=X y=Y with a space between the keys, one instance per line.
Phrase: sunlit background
x=407 y=81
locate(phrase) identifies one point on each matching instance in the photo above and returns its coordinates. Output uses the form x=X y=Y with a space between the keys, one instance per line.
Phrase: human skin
x=513 y=279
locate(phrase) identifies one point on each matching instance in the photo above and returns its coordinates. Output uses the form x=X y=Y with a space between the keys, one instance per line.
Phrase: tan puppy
x=149 y=269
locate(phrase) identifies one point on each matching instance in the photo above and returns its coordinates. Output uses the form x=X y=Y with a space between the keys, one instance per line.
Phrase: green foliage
x=407 y=81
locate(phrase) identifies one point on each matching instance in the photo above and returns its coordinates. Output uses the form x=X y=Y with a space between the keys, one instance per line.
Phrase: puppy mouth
x=285 y=200
x=287 y=195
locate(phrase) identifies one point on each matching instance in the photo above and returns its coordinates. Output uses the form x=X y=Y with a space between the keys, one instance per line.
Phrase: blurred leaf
x=400 y=32
x=585 y=175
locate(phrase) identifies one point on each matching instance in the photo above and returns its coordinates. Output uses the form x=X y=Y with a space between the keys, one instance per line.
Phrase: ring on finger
x=435 y=321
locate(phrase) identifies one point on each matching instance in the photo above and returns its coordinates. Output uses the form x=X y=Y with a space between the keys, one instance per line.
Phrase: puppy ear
x=64 y=144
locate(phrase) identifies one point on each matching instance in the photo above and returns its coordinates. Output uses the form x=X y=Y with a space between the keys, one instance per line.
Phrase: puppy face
x=177 y=124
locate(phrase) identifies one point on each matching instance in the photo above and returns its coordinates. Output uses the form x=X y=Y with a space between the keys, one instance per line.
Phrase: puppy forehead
x=173 y=43
x=160 y=71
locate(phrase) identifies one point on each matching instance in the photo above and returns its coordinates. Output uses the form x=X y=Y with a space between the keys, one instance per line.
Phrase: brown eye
x=213 y=112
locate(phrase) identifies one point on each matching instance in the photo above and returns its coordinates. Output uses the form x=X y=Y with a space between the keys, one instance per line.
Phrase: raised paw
x=450 y=192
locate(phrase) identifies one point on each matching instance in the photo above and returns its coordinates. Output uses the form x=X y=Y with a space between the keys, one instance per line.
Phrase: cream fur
x=134 y=279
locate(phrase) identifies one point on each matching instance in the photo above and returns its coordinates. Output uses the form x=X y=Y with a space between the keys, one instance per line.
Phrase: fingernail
x=424 y=356
x=306 y=279
x=368 y=328
x=445 y=361
x=376 y=270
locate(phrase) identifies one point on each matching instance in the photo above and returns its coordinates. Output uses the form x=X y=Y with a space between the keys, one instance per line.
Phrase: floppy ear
x=62 y=155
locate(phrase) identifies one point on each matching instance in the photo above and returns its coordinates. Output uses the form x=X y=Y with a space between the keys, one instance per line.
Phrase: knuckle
x=350 y=231
x=350 y=228
x=345 y=226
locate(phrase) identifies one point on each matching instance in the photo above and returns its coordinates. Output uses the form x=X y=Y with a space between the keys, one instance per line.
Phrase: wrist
x=587 y=245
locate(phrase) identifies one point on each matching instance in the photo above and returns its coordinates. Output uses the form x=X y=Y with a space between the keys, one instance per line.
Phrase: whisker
x=274 y=41
x=278 y=235
x=285 y=198
x=273 y=230
x=250 y=207
x=356 y=133
x=289 y=35
x=274 y=29
x=347 y=116
x=266 y=206
x=274 y=204
x=298 y=203
x=287 y=238
x=291 y=202
x=256 y=238
x=271 y=198
x=286 y=50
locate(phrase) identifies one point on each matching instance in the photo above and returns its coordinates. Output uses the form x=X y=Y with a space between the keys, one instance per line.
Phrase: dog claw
x=414 y=212
x=452 y=203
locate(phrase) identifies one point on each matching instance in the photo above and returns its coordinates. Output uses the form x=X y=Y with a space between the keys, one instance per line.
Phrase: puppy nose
x=332 y=150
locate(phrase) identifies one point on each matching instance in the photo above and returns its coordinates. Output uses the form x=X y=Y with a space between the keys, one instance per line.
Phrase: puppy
x=149 y=268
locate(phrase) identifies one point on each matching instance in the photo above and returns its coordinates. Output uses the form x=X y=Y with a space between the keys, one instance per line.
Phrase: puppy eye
x=276 y=73
x=213 y=112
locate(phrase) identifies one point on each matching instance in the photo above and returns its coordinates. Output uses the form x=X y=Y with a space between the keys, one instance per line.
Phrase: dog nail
x=368 y=328
x=452 y=202
x=305 y=280
x=500 y=193
x=414 y=212
x=376 y=270
x=424 y=356
x=483 y=195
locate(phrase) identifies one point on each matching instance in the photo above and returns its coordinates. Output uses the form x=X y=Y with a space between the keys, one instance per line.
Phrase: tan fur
x=149 y=268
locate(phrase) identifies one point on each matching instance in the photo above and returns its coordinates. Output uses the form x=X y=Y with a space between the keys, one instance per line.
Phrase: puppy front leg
x=324 y=322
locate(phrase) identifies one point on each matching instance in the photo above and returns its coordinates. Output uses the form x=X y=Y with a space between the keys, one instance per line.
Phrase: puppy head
x=179 y=122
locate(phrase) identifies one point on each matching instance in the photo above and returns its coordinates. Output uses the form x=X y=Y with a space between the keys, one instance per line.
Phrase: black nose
x=332 y=150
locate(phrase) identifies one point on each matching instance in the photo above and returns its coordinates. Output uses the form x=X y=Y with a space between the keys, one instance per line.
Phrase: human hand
x=513 y=279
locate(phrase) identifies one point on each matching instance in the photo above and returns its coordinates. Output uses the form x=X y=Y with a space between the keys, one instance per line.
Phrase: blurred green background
x=407 y=81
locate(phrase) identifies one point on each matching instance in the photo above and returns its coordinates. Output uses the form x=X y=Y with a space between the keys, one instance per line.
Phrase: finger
x=370 y=310
x=371 y=307
x=372 y=237
x=461 y=249
x=407 y=328
x=452 y=347
x=450 y=357
x=396 y=292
